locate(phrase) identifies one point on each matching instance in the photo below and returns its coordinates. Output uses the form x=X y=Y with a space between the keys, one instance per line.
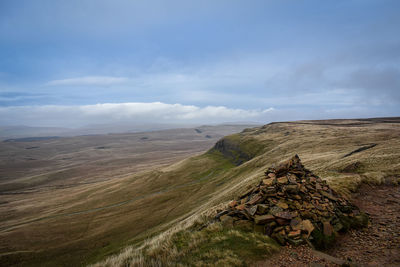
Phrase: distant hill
x=15 y=132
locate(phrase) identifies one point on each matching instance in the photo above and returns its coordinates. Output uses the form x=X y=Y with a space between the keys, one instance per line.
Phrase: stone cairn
x=292 y=205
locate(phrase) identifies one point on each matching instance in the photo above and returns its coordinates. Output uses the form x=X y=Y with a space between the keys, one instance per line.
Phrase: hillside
x=98 y=220
x=57 y=194
x=345 y=153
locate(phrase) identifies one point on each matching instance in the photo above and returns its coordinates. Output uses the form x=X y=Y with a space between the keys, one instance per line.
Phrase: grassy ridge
x=322 y=147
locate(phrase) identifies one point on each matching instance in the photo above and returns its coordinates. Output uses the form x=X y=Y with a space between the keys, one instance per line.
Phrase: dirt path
x=376 y=245
x=379 y=244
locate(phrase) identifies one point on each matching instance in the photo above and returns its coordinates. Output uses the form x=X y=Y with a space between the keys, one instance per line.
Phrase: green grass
x=213 y=245
x=238 y=148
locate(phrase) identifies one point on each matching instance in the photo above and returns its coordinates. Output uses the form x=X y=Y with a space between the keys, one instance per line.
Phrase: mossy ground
x=211 y=246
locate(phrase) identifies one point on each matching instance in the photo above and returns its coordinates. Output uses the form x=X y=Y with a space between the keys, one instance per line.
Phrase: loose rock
x=295 y=207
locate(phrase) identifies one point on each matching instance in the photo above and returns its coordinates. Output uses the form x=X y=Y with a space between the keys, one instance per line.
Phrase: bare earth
x=376 y=245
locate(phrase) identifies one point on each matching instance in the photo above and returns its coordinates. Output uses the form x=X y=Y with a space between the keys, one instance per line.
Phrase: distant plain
x=44 y=181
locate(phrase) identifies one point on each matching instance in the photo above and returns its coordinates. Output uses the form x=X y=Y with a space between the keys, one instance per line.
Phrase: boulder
x=263 y=219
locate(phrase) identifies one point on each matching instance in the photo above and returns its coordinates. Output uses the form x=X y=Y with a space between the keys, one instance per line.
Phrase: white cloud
x=155 y=112
x=89 y=80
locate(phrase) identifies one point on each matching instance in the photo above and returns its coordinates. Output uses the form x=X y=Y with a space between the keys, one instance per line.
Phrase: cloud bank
x=108 y=113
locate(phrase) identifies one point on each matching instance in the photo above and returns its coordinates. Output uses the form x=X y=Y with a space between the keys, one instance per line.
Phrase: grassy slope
x=321 y=145
x=39 y=219
x=158 y=203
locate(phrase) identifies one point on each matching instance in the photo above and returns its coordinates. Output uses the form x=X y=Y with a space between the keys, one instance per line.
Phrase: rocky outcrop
x=293 y=205
x=232 y=151
x=237 y=149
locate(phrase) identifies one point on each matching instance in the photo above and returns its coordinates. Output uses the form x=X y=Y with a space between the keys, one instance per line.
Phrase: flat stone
x=305 y=226
x=282 y=205
x=263 y=219
x=287 y=215
x=278 y=229
x=275 y=209
x=245 y=214
x=297 y=197
x=292 y=179
x=297 y=205
x=271 y=175
x=251 y=211
x=292 y=189
x=303 y=189
x=282 y=180
x=295 y=233
x=262 y=208
x=248 y=192
x=281 y=221
x=268 y=182
x=240 y=207
x=270 y=190
x=255 y=199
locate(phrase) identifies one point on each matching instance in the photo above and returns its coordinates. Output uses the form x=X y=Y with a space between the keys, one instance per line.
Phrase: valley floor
x=376 y=245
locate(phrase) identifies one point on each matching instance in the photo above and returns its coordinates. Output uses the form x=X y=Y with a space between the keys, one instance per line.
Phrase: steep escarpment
x=238 y=148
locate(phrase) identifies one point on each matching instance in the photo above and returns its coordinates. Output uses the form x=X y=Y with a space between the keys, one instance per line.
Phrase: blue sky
x=73 y=63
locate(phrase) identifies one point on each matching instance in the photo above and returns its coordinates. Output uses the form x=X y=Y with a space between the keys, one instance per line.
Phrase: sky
x=82 y=62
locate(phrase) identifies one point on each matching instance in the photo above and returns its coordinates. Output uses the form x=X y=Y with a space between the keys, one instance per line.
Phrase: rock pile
x=293 y=205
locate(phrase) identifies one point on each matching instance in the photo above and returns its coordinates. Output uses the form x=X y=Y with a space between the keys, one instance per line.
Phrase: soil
x=376 y=245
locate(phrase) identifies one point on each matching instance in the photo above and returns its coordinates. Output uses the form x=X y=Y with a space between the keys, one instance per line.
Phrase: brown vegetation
x=322 y=146
x=96 y=220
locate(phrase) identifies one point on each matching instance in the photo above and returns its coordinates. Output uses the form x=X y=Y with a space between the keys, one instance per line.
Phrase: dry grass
x=77 y=201
x=321 y=145
x=168 y=201
x=187 y=246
